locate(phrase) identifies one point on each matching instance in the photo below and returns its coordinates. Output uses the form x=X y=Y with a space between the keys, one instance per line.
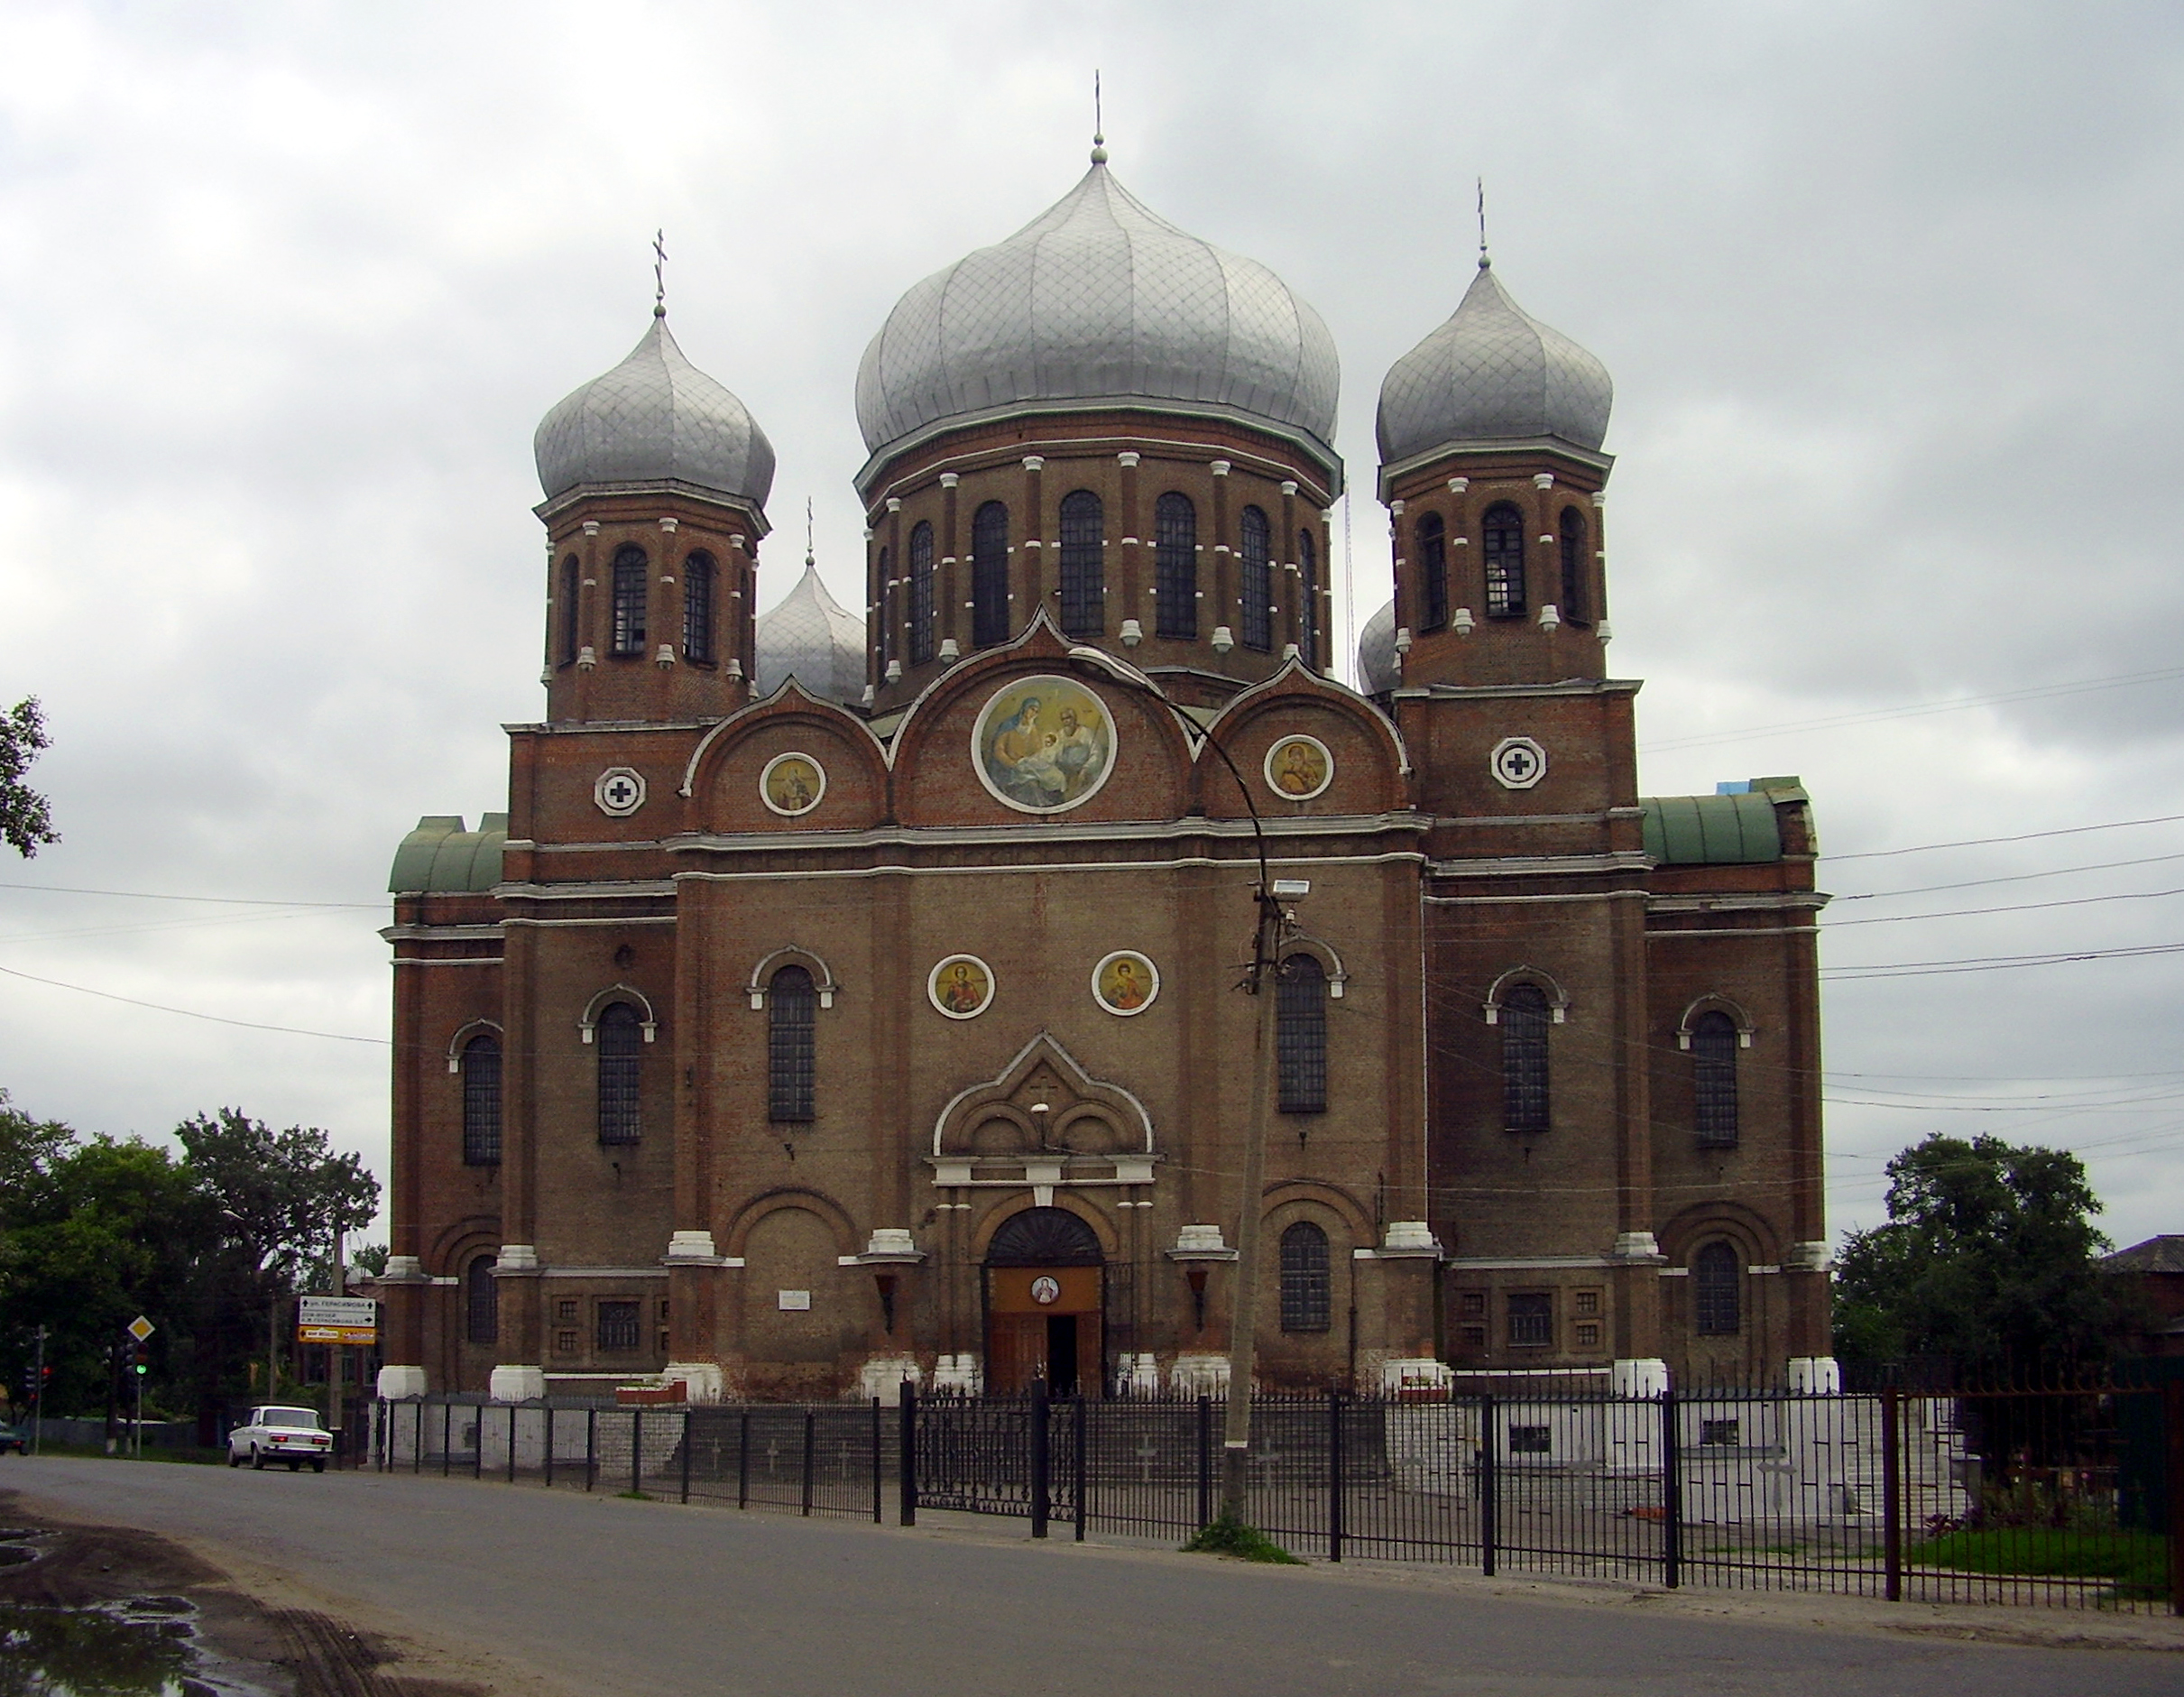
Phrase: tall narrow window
x=1432 y=540
x=1306 y=1285
x=621 y=1039
x=1502 y=543
x=630 y=568
x=1714 y=1079
x=1300 y=1034
x=1717 y=1291
x=1176 y=564
x=1577 y=606
x=480 y=1302
x=884 y=648
x=572 y=580
x=1083 y=608
x=1524 y=1060
x=699 y=577
x=921 y=595
x=620 y=1325
x=482 y=1101
x=791 y=1033
x=989 y=575
x=1258 y=589
x=1308 y=603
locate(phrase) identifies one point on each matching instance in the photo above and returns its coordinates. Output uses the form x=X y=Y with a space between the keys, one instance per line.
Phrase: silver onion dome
x=655 y=418
x=1492 y=373
x=810 y=637
x=1378 y=672
x=1100 y=300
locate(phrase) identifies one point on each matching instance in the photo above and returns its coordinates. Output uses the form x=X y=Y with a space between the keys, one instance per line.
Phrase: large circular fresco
x=1043 y=744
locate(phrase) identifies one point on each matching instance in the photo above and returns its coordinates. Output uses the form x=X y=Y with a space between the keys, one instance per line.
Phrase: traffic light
x=140 y=1358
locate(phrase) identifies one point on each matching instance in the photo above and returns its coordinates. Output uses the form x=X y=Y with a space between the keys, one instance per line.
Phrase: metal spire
x=1098 y=152
x=808 y=533
x=659 y=273
x=1484 y=262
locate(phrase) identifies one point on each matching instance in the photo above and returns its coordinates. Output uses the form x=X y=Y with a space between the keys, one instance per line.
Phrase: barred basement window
x=1175 y=565
x=572 y=580
x=1502 y=539
x=791 y=1012
x=1306 y=1282
x=620 y=1038
x=1300 y=1034
x=1432 y=540
x=698 y=578
x=1729 y=1433
x=629 y=569
x=1472 y=1301
x=1714 y=1080
x=1258 y=589
x=1084 y=581
x=1474 y=1338
x=480 y=1302
x=1717 y=1291
x=564 y=1310
x=1576 y=606
x=619 y=1325
x=1308 y=589
x=921 y=595
x=1531 y=1440
x=1589 y=1337
x=481 y=1101
x=564 y=1343
x=1524 y=1060
x=1531 y=1322
x=989 y=575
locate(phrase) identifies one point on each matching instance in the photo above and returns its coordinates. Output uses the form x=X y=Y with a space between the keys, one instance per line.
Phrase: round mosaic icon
x=1043 y=744
x=960 y=986
x=1299 y=768
x=1517 y=762
x=620 y=791
x=792 y=784
x=1125 y=983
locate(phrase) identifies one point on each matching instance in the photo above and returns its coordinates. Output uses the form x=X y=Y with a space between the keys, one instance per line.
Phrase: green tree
x=1988 y=1263
x=26 y=818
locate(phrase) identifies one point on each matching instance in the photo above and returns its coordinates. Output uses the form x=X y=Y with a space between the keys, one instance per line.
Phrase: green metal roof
x=441 y=856
x=1739 y=830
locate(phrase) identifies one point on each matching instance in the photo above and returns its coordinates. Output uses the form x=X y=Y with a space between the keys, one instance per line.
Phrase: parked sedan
x=13 y=1438
x=292 y=1435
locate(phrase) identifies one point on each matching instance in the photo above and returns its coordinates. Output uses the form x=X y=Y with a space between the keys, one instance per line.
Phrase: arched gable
x=726 y=769
x=1042 y=1072
x=1370 y=764
x=835 y=1217
x=1758 y=1243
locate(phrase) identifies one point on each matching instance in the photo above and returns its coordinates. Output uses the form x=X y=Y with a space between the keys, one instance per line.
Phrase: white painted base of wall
x=703 y=1381
x=1815 y=1376
x=398 y=1382
x=1137 y=1375
x=1638 y=1375
x=1416 y=1372
x=960 y=1373
x=1199 y=1374
x=883 y=1375
x=517 y=1384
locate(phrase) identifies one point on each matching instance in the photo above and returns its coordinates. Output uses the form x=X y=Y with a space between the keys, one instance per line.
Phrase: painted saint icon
x=792 y=784
x=1043 y=744
x=1125 y=983
x=962 y=986
x=1299 y=768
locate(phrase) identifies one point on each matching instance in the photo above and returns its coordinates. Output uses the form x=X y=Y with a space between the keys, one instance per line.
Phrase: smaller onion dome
x=1492 y=373
x=655 y=418
x=809 y=636
x=1378 y=672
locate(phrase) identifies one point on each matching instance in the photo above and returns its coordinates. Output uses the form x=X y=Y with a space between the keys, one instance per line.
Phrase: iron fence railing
x=2071 y=1495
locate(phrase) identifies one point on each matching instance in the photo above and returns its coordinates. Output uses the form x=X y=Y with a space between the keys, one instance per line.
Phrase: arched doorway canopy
x=1044 y=1237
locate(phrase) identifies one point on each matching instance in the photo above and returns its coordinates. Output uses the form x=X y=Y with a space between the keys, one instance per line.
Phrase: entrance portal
x=1044 y=1289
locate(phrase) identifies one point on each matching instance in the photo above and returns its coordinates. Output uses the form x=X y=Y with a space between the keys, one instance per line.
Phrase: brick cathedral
x=842 y=999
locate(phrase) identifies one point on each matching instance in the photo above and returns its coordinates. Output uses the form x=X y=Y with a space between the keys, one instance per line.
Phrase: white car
x=280 y=1435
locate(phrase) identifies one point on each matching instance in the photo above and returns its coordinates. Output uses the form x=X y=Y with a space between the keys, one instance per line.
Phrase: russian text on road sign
x=337 y=1319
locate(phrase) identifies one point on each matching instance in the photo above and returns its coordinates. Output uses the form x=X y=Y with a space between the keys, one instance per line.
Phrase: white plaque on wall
x=794 y=1300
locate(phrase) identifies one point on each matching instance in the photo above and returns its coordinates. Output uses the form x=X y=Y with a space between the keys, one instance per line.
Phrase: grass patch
x=153 y=1453
x=2137 y=1561
x=636 y=1496
x=1231 y=1537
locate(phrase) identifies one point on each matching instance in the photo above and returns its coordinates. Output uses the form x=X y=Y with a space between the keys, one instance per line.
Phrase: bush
x=1231 y=1537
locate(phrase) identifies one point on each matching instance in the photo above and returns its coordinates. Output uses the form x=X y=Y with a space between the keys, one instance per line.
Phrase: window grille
x=1588 y=1302
x=1045 y=1237
x=1589 y=1335
x=1308 y=590
x=1258 y=580
x=1307 y=1283
x=630 y=568
x=1577 y=606
x=1473 y=1303
x=481 y=1101
x=989 y=575
x=621 y=1041
x=1729 y=1433
x=565 y=1343
x=1530 y=1323
x=1524 y=1060
x=1717 y=1291
x=1083 y=611
x=1502 y=539
x=1432 y=540
x=698 y=578
x=480 y=1302
x=791 y=1040
x=1714 y=1080
x=1300 y=1034
x=1531 y=1440
x=921 y=595
x=1474 y=1338
x=1175 y=565
x=572 y=580
x=619 y=1323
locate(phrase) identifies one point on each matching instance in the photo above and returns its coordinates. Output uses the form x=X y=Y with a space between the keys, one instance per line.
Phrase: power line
x=1995 y=963
x=150 y=895
x=2019 y=906
x=2022 y=836
x=191 y=1013
x=2010 y=877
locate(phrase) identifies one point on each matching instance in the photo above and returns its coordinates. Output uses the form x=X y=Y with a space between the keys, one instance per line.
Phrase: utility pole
x=338 y=1355
x=38 y=1397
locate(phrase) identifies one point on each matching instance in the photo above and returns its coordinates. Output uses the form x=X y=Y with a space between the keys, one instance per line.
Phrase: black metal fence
x=2055 y=1495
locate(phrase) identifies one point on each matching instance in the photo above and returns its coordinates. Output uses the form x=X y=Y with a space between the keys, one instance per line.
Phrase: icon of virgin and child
x=1047 y=743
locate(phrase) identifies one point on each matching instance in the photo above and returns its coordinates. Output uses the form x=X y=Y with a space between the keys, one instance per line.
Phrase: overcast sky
x=1889 y=292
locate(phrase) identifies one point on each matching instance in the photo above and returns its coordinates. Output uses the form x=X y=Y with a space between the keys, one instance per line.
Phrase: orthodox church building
x=844 y=998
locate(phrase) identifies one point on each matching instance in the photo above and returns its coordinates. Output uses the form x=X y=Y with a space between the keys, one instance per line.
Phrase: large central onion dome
x=1099 y=302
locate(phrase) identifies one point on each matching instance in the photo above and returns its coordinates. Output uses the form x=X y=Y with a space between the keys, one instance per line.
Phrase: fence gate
x=999 y=1455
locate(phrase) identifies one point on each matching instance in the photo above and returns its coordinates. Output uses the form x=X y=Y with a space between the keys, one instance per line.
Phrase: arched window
x=620 y=1040
x=791 y=1034
x=989 y=575
x=480 y=1302
x=1300 y=1034
x=698 y=579
x=572 y=580
x=1577 y=606
x=1432 y=540
x=1524 y=1019
x=1306 y=1284
x=881 y=597
x=630 y=565
x=1176 y=564
x=921 y=594
x=1717 y=1291
x=1502 y=540
x=1714 y=1079
x=1308 y=605
x=1083 y=607
x=1257 y=590
x=1045 y=1237
x=482 y=1101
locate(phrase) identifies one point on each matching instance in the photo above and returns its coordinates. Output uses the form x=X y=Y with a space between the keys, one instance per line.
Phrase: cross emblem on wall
x=619 y=791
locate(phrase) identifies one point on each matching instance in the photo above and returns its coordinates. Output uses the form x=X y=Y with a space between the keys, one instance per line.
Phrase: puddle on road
x=144 y=1647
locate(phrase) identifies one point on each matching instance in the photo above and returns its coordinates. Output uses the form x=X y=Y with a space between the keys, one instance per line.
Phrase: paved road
x=631 y=1599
